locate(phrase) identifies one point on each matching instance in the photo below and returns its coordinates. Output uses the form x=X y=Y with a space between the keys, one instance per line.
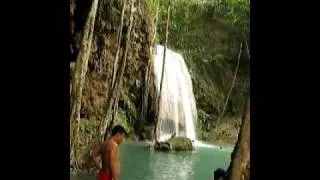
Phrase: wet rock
x=175 y=144
x=162 y=146
x=181 y=144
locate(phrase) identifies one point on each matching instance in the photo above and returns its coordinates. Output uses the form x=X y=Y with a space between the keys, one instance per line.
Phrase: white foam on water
x=202 y=144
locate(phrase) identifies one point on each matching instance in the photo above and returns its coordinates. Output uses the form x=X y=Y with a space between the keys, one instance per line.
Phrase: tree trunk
x=232 y=85
x=114 y=115
x=119 y=37
x=239 y=168
x=115 y=67
x=147 y=78
x=247 y=47
x=79 y=75
x=112 y=97
x=158 y=121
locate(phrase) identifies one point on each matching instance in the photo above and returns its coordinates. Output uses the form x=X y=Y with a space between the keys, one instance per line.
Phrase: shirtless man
x=108 y=154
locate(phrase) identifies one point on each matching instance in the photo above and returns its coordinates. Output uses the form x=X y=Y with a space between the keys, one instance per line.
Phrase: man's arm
x=114 y=162
x=96 y=156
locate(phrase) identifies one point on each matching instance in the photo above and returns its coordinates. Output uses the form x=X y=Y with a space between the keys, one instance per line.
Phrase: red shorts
x=104 y=176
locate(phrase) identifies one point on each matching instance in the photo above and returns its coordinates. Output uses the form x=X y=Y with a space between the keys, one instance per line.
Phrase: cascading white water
x=178 y=111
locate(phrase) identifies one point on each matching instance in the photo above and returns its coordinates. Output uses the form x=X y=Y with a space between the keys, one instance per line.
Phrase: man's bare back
x=109 y=156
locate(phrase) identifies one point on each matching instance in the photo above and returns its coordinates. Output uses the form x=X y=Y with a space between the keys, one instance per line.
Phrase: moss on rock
x=181 y=144
x=175 y=144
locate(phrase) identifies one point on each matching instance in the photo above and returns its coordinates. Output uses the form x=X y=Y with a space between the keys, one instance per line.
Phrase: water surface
x=140 y=163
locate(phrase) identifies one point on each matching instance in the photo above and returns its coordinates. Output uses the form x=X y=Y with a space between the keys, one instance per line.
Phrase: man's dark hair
x=118 y=129
x=218 y=173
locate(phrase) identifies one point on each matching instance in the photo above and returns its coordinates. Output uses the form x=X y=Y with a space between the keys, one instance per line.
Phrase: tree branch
x=232 y=85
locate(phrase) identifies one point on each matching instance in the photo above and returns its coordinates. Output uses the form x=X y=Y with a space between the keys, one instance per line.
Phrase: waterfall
x=178 y=111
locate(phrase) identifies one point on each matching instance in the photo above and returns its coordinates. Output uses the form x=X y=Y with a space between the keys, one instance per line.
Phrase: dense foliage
x=208 y=33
